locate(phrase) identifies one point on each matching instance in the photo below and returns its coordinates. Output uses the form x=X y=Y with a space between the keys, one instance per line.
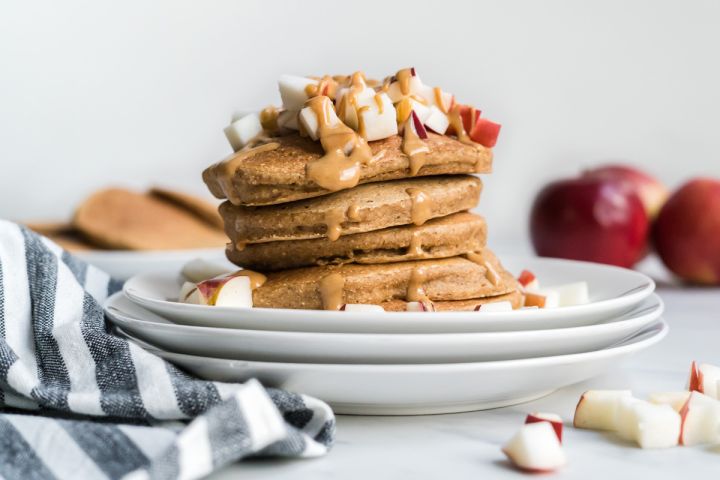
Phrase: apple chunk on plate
x=225 y=291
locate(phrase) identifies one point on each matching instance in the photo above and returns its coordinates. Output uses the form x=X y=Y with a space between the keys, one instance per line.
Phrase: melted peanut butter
x=224 y=172
x=333 y=220
x=415 y=290
x=336 y=170
x=415 y=149
x=269 y=118
x=403 y=77
x=326 y=86
x=256 y=279
x=379 y=103
x=240 y=245
x=439 y=100
x=331 y=291
x=353 y=212
x=415 y=248
x=490 y=273
x=457 y=124
x=422 y=206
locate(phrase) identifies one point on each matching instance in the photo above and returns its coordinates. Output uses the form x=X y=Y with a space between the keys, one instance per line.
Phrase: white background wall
x=137 y=92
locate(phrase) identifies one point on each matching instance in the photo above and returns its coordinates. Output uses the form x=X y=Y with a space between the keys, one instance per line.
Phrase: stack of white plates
x=403 y=363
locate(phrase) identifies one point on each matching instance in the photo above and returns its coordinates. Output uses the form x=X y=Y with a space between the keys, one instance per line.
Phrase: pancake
x=361 y=209
x=438 y=238
x=117 y=218
x=455 y=278
x=206 y=211
x=63 y=234
x=515 y=298
x=268 y=175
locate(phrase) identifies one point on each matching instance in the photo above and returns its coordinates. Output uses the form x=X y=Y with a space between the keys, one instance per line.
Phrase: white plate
x=123 y=264
x=421 y=389
x=373 y=348
x=613 y=291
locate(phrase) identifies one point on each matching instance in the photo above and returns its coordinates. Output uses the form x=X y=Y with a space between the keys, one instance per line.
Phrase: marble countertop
x=467 y=445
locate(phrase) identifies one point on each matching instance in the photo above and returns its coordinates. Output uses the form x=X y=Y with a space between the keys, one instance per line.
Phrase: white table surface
x=467 y=445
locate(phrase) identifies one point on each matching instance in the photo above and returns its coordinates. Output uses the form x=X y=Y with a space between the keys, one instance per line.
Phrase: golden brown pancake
x=515 y=298
x=455 y=278
x=361 y=209
x=63 y=234
x=270 y=176
x=438 y=238
x=203 y=209
x=117 y=218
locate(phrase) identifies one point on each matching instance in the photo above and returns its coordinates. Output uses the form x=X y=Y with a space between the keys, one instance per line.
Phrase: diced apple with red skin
x=528 y=280
x=225 y=291
x=704 y=378
x=648 y=424
x=535 y=448
x=598 y=409
x=675 y=399
x=423 y=306
x=552 y=418
x=417 y=125
x=541 y=299
x=700 y=420
x=361 y=307
x=485 y=132
x=428 y=94
x=466 y=114
x=414 y=87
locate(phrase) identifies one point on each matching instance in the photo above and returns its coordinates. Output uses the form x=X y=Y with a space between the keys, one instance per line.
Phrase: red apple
x=485 y=132
x=687 y=232
x=590 y=219
x=652 y=193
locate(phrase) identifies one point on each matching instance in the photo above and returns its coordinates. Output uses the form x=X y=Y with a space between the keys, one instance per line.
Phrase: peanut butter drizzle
x=457 y=124
x=353 y=212
x=415 y=247
x=331 y=291
x=326 y=86
x=415 y=289
x=439 y=100
x=336 y=170
x=256 y=279
x=379 y=103
x=240 y=245
x=403 y=77
x=490 y=273
x=422 y=206
x=223 y=172
x=414 y=148
x=333 y=220
x=268 y=118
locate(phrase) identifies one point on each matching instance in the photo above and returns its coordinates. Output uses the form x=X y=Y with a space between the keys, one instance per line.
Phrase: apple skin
x=687 y=232
x=652 y=193
x=590 y=219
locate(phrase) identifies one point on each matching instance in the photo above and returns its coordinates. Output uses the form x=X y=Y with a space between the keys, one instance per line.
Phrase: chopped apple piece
x=407 y=105
x=503 y=306
x=199 y=269
x=535 y=448
x=528 y=280
x=288 y=119
x=485 y=132
x=379 y=118
x=309 y=120
x=293 y=90
x=241 y=132
x=435 y=96
x=700 y=420
x=552 y=418
x=347 y=108
x=437 y=121
x=225 y=291
x=423 y=306
x=361 y=307
x=598 y=409
x=563 y=295
x=541 y=299
x=675 y=399
x=705 y=378
x=185 y=290
x=648 y=424
x=194 y=296
x=396 y=94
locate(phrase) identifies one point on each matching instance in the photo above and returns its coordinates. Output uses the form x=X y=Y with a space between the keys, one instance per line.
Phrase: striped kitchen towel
x=79 y=402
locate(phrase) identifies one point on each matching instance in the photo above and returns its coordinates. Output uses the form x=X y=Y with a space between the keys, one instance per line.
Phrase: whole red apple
x=590 y=219
x=652 y=193
x=687 y=232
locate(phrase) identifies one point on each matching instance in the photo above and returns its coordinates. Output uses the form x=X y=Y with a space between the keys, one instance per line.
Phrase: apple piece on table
x=293 y=90
x=244 y=130
x=598 y=409
x=675 y=399
x=288 y=119
x=361 y=307
x=535 y=448
x=552 y=418
x=700 y=420
x=379 y=121
x=438 y=122
x=648 y=424
x=503 y=306
x=704 y=378
x=424 y=306
x=485 y=132
x=199 y=269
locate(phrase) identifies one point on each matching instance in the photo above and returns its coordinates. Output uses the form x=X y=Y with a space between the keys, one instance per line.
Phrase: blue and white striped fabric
x=78 y=402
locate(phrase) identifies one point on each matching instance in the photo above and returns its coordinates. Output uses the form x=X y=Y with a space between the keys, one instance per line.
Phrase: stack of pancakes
x=392 y=239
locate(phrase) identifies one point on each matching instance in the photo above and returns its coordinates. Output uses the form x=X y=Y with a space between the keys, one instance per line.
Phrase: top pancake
x=277 y=175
